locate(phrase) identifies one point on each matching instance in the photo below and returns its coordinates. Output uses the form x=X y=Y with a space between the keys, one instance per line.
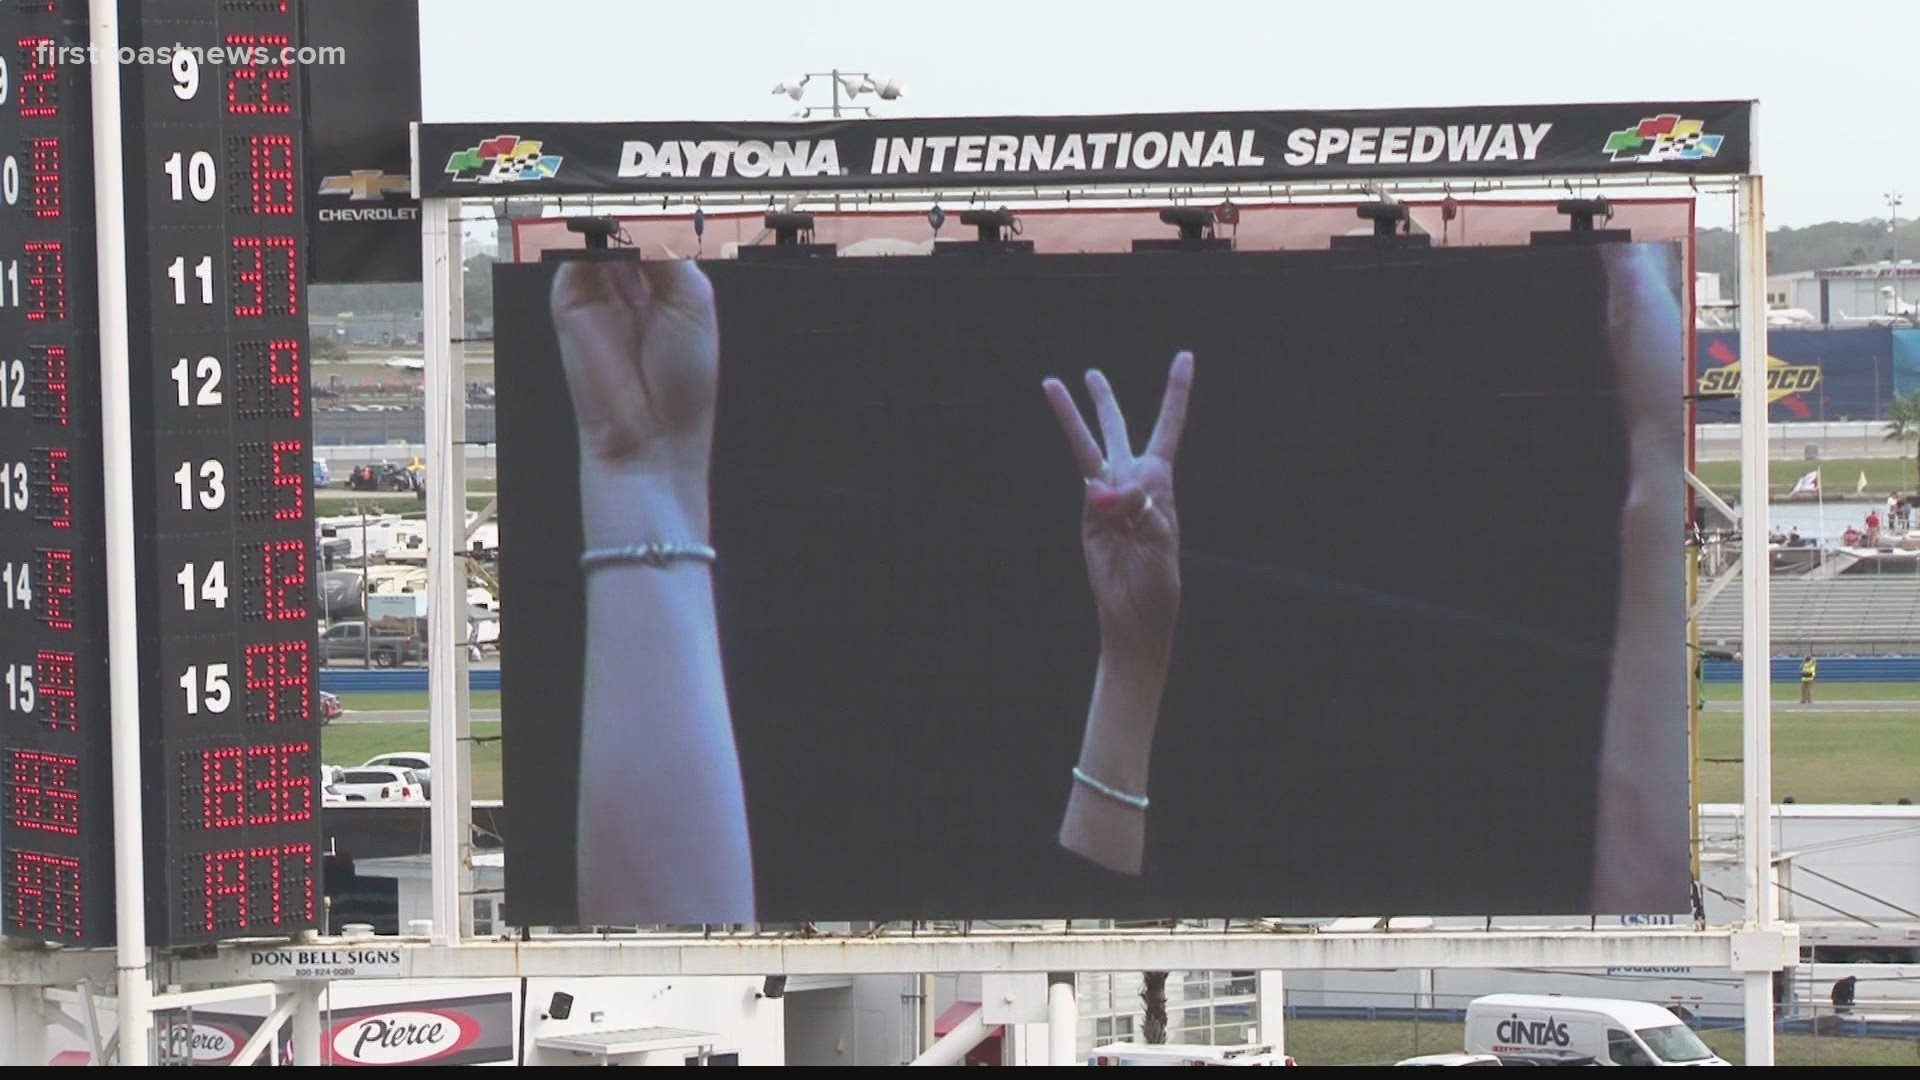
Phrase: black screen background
x=1399 y=497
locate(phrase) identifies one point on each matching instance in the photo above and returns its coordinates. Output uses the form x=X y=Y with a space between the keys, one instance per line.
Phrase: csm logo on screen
x=504 y=159
x=1666 y=137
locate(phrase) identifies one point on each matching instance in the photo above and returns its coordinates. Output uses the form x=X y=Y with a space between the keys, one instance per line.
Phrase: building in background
x=1878 y=293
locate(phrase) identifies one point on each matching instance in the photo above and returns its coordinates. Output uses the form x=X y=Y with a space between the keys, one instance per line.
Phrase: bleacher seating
x=1868 y=614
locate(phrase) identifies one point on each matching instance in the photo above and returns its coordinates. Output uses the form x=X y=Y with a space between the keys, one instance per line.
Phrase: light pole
x=851 y=83
x=1893 y=224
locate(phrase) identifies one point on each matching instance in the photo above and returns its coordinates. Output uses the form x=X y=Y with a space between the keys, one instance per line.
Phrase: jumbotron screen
x=1095 y=586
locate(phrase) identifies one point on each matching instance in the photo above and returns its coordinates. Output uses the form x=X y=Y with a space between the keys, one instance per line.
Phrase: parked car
x=322 y=476
x=381 y=784
x=348 y=641
x=385 y=476
x=330 y=709
x=421 y=765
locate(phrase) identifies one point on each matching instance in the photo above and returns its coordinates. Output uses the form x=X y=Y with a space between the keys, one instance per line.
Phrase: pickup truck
x=348 y=641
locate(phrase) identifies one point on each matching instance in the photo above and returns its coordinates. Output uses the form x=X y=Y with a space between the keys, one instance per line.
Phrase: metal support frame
x=1063 y=1018
x=1756 y=644
x=1758 y=948
x=449 y=727
x=123 y=628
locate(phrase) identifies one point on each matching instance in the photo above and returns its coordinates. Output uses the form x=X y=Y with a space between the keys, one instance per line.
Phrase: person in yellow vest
x=1808 y=668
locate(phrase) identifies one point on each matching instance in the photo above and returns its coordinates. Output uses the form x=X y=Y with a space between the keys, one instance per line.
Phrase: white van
x=1547 y=1026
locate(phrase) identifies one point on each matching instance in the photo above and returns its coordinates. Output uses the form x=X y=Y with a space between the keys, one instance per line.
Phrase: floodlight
x=795 y=89
x=856 y=85
x=889 y=88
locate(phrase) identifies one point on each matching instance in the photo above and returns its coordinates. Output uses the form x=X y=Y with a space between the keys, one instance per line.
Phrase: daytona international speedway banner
x=1690 y=138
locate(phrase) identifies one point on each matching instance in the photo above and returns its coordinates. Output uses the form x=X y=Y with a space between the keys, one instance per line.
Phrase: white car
x=381 y=783
x=420 y=764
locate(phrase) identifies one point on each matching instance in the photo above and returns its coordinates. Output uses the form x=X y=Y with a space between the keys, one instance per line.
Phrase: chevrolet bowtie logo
x=364 y=184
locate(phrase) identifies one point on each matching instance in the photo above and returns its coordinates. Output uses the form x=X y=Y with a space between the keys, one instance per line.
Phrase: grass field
x=1819 y=757
x=351 y=744
x=411 y=701
x=1383 y=1042
x=1839 y=475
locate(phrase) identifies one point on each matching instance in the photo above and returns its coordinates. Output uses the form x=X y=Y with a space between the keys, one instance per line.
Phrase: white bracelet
x=1138 y=802
x=659 y=553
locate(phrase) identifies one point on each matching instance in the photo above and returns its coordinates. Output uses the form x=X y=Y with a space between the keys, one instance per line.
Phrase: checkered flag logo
x=1666 y=137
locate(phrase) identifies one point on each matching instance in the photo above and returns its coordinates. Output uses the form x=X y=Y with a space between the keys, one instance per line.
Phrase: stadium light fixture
x=845 y=84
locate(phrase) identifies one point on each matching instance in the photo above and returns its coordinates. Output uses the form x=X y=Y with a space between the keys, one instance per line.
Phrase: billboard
x=1813 y=376
x=363 y=218
x=1697 y=138
x=862 y=589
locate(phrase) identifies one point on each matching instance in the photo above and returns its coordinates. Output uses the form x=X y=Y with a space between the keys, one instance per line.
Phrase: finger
x=679 y=285
x=580 y=285
x=1086 y=452
x=1165 y=441
x=1112 y=425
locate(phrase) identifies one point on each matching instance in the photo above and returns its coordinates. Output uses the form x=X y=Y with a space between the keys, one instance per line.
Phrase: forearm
x=1116 y=750
x=1633 y=811
x=663 y=825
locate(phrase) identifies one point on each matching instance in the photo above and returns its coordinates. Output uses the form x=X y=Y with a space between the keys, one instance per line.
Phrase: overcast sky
x=1834 y=95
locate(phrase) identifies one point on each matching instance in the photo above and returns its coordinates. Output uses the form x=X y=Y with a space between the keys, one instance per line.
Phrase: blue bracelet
x=1138 y=802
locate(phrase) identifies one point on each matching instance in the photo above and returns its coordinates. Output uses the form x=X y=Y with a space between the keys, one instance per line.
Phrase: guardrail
x=1832 y=669
x=397 y=680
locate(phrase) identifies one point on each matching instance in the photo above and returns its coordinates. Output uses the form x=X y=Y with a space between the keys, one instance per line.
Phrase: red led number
x=261 y=175
x=222 y=790
x=273 y=581
x=56 y=686
x=43 y=897
x=266 y=277
x=242 y=888
x=38 y=84
x=47 y=385
x=273 y=480
x=233 y=787
x=46 y=280
x=56 y=600
x=279 y=682
x=264 y=87
x=52 y=497
x=44 y=167
x=43 y=792
x=270 y=380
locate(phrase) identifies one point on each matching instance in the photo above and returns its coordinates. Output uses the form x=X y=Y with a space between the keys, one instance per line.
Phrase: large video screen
x=1094 y=586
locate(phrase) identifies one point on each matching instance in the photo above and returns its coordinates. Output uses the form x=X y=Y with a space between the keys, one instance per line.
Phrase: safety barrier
x=397 y=680
x=1832 y=669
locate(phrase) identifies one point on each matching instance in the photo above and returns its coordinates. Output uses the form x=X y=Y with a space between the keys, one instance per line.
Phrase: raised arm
x=1637 y=855
x=1130 y=534
x=663 y=823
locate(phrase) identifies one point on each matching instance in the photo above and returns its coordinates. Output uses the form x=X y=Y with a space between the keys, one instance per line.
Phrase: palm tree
x=1153 y=995
x=1903 y=421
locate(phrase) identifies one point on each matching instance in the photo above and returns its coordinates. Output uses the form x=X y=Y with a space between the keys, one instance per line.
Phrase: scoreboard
x=222 y=474
x=56 y=832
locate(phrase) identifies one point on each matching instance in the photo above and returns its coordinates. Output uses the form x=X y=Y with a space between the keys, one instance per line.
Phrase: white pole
x=306 y=1025
x=123 y=641
x=1270 y=1009
x=446 y=573
x=1756 y=579
x=460 y=775
x=1063 y=1019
